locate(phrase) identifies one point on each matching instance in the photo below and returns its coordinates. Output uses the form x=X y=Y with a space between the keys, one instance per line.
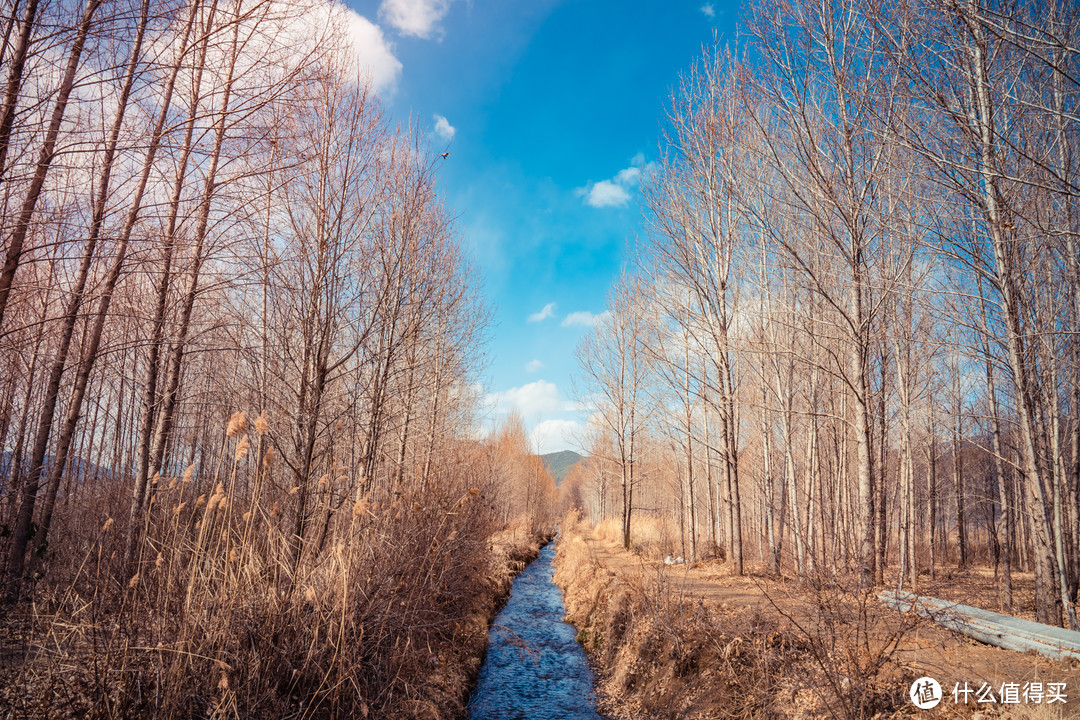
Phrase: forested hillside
x=559 y=463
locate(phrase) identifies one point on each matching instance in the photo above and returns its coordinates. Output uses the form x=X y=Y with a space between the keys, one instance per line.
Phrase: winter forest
x=849 y=339
x=244 y=468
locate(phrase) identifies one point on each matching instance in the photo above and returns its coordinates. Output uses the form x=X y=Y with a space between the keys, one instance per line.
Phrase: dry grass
x=384 y=614
x=665 y=654
x=662 y=656
x=851 y=640
x=650 y=537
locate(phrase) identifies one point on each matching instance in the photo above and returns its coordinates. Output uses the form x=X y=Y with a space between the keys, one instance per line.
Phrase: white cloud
x=321 y=24
x=371 y=51
x=534 y=366
x=443 y=128
x=584 y=318
x=606 y=194
x=418 y=18
x=548 y=311
x=628 y=177
x=709 y=10
x=554 y=435
x=530 y=400
x=616 y=191
x=553 y=422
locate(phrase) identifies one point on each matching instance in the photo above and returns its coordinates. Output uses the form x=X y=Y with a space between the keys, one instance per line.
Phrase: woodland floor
x=923 y=649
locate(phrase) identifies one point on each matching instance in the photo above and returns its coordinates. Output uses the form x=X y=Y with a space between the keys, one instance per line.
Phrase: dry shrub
x=663 y=655
x=522 y=533
x=852 y=640
x=384 y=614
x=826 y=652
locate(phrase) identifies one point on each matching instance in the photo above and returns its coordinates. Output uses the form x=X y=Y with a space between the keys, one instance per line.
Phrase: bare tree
x=616 y=376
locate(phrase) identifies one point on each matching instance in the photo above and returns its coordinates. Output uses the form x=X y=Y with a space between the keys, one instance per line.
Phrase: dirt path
x=924 y=648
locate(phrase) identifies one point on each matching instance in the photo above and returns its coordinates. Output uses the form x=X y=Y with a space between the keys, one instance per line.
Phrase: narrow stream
x=534 y=669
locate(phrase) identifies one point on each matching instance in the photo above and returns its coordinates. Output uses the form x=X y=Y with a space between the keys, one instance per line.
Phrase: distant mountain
x=78 y=468
x=559 y=463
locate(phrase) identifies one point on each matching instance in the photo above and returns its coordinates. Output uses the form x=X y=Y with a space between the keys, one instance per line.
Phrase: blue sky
x=551 y=110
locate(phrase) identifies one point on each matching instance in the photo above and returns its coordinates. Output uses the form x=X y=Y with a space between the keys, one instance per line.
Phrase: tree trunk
x=17 y=63
x=41 y=169
x=1047 y=601
x=882 y=473
x=958 y=476
x=89 y=357
x=770 y=502
x=863 y=466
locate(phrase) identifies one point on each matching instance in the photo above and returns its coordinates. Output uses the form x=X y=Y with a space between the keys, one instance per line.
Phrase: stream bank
x=661 y=654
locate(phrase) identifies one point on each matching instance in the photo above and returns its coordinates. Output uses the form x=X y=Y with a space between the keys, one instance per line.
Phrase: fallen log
x=1004 y=631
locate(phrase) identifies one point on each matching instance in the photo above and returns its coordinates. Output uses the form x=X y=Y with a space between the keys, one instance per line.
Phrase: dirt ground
x=923 y=649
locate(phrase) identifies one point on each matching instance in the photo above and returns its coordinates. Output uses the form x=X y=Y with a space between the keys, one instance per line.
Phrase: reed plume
x=242 y=448
x=237 y=424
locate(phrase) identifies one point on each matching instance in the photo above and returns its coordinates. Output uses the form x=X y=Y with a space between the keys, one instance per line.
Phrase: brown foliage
x=388 y=621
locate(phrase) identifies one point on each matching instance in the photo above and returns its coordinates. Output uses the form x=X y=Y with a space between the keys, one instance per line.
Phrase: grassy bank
x=389 y=621
x=663 y=653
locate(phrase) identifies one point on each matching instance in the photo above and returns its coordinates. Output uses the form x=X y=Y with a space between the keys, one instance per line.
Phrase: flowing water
x=534 y=669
